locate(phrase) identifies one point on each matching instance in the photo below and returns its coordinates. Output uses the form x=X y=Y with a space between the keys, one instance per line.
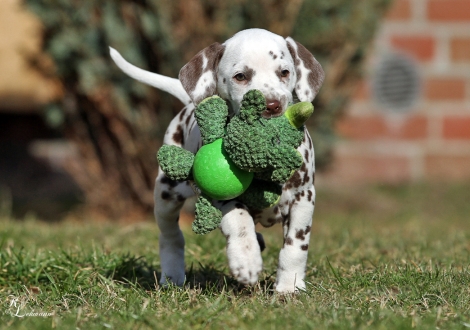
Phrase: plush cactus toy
x=248 y=158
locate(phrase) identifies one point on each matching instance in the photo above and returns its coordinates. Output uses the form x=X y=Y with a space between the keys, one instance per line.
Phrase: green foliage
x=118 y=123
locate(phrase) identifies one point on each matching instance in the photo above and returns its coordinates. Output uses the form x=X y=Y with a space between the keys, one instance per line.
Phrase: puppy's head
x=254 y=59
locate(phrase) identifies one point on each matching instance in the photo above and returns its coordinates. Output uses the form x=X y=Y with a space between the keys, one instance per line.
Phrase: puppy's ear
x=199 y=75
x=309 y=72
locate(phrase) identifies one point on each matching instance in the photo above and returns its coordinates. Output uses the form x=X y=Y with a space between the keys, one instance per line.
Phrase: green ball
x=216 y=175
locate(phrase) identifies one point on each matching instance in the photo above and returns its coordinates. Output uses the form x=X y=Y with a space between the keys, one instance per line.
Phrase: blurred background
x=77 y=135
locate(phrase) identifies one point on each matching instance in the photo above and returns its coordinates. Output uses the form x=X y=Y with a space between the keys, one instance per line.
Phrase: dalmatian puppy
x=285 y=72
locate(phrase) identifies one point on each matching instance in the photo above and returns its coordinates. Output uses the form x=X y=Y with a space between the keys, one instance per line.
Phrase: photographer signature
x=16 y=309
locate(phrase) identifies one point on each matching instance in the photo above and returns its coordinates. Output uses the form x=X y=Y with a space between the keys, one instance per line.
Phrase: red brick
x=348 y=169
x=362 y=91
x=447 y=167
x=456 y=127
x=439 y=89
x=418 y=46
x=460 y=49
x=400 y=10
x=361 y=128
x=377 y=127
x=415 y=127
x=448 y=10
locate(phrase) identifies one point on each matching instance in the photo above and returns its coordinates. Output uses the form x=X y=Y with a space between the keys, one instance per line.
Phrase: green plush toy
x=248 y=158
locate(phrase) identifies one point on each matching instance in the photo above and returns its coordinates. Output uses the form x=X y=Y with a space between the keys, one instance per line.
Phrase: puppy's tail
x=166 y=84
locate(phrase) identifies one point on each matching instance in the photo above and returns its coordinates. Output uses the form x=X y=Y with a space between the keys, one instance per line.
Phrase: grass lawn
x=381 y=257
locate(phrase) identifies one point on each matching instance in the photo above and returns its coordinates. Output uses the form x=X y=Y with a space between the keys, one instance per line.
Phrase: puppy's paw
x=172 y=260
x=176 y=278
x=289 y=284
x=245 y=260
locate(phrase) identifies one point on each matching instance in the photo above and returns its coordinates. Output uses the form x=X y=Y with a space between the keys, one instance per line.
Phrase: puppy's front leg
x=243 y=250
x=297 y=225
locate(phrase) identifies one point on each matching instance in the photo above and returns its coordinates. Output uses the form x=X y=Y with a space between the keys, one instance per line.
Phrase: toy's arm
x=207 y=217
x=286 y=158
x=299 y=113
x=283 y=156
x=175 y=162
x=284 y=162
x=211 y=116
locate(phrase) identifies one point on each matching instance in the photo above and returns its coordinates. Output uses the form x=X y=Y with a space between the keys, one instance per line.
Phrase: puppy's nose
x=273 y=108
x=273 y=105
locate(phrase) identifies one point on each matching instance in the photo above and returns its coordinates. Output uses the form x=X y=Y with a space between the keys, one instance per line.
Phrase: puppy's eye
x=240 y=77
x=285 y=73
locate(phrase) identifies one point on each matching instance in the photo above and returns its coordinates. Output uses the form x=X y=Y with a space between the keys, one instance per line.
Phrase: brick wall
x=432 y=139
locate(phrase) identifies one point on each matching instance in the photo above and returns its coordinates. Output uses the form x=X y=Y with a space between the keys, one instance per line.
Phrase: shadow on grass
x=137 y=271
x=212 y=279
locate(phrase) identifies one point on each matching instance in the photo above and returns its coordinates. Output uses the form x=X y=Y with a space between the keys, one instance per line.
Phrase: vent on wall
x=396 y=83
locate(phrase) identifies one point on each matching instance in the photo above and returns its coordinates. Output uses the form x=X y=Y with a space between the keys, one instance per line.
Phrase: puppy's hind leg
x=169 y=198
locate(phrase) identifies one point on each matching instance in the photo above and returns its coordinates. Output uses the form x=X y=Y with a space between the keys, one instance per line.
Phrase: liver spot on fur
x=178 y=136
x=240 y=206
x=295 y=181
x=306 y=178
x=249 y=73
x=166 y=195
x=310 y=195
x=300 y=234
x=168 y=181
x=183 y=113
